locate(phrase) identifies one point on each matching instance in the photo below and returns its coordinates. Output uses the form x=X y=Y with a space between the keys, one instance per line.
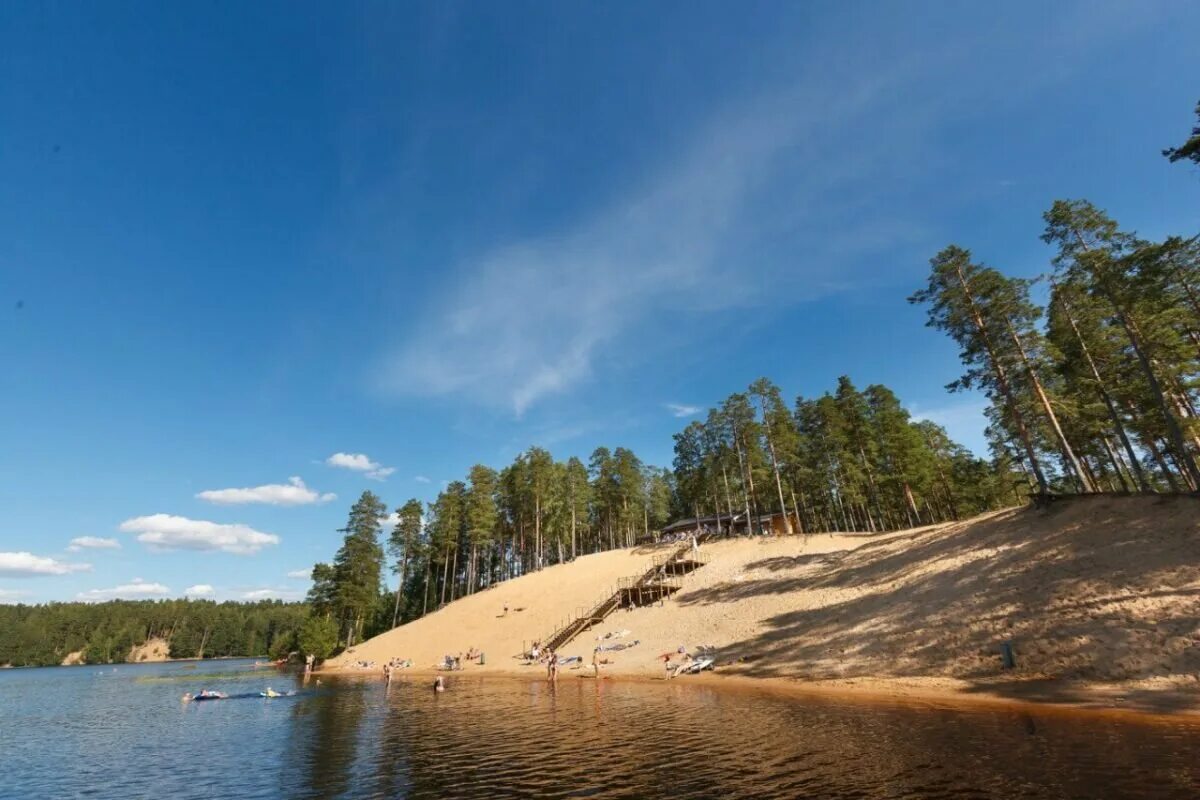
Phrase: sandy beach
x=1099 y=598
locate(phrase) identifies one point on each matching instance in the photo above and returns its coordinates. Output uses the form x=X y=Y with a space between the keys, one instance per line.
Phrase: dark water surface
x=85 y=732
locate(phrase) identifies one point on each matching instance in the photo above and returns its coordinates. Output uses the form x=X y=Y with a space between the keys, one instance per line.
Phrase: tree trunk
x=1069 y=458
x=1118 y=426
x=1003 y=384
x=742 y=470
x=787 y=522
x=1175 y=433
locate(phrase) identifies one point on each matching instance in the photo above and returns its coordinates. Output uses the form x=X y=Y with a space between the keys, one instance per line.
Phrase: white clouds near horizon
x=199 y=590
x=680 y=410
x=134 y=590
x=272 y=594
x=169 y=532
x=292 y=493
x=360 y=462
x=92 y=543
x=24 y=564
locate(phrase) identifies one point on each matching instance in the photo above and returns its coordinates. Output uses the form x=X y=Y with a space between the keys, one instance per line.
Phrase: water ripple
x=77 y=733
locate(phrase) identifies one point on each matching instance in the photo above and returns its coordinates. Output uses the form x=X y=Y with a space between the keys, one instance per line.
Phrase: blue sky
x=236 y=242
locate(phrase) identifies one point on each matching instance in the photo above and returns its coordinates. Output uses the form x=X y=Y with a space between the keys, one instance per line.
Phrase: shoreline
x=1063 y=697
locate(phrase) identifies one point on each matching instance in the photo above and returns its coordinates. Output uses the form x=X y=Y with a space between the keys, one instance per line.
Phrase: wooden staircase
x=662 y=579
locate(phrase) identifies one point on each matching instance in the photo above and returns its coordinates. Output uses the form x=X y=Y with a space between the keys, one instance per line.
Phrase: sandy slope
x=545 y=600
x=1100 y=597
x=150 y=650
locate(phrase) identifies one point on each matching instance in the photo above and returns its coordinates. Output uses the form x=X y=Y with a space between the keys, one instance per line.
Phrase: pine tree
x=1094 y=252
x=1190 y=149
x=404 y=543
x=358 y=565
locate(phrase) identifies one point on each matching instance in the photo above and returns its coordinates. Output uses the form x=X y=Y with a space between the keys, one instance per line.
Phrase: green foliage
x=318 y=637
x=358 y=566
x=44 y=635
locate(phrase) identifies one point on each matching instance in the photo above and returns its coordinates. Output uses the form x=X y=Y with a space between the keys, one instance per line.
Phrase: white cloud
x=680 y=410
x=422 y=479
x=11 y=595
x=390 y=521
x=94 y=543
x=292 y=493
x=272 y=594
x=134 y=590
x=302 y=574
x=169 y=532
x=24 y=564
x=199 y=590
x=360 y=462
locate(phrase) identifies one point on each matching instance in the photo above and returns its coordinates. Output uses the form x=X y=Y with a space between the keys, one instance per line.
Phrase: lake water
x=123 y=733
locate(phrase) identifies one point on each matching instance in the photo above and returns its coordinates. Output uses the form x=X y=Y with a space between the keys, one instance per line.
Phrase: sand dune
x=156 y=649
x=1100 y=598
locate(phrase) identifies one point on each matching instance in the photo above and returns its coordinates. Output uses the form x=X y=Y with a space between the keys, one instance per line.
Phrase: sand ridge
x=1099 y=596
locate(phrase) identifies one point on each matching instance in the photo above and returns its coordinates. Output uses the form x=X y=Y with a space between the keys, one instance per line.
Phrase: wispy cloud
x=272 y=594
x=292 y=493
x=680 y=410
x=360 y=462
x=11 y=595
x=24 y=564
x=200 y=590
x=773 y=200
x=169 y=532
x=422 y=479
x=528 y=318
x=92 y=543
x=134 y=590
x=301 y=574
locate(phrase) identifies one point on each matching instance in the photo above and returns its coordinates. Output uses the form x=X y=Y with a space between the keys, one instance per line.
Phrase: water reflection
x=614 y=740
x=71 y=732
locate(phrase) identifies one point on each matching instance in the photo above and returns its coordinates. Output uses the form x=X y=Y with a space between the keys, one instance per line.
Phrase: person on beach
x=551 y=666
x=387 y=673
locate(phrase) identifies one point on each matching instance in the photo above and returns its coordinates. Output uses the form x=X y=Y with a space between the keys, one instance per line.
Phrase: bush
x=318 y=637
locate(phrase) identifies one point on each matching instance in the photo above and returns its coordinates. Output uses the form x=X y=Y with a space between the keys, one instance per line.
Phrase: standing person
x=387 y=672
x=552 y=666
x=308 y=663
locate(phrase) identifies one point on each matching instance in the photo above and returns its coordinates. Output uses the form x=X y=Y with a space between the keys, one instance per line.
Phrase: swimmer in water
x=439 y=685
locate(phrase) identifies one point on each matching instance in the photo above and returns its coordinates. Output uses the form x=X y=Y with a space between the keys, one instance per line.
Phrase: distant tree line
x=851 y=461
x=43 y=635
